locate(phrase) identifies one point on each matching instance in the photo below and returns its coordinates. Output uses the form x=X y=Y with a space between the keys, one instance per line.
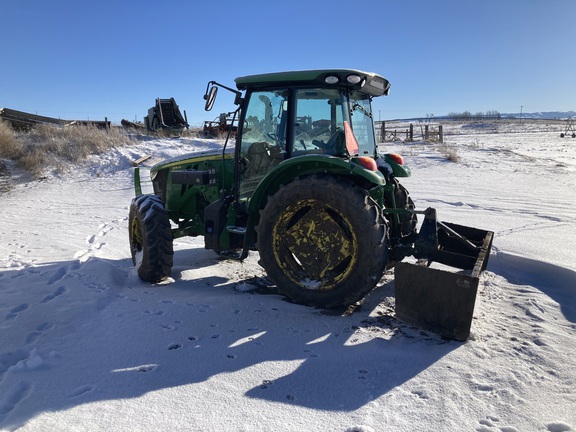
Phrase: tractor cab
x=290 y=114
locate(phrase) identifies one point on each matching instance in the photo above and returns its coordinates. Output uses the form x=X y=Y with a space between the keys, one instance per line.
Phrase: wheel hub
x=317 y=240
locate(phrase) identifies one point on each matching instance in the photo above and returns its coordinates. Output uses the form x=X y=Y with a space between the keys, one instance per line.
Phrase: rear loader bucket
x=439 y=300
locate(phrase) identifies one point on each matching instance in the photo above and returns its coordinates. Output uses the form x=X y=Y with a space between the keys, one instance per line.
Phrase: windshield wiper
x=356 y=106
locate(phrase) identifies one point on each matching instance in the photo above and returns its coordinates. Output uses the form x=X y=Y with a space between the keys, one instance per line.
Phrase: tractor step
x=236 y=229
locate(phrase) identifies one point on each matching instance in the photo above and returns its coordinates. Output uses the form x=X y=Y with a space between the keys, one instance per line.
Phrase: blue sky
x=79 y=59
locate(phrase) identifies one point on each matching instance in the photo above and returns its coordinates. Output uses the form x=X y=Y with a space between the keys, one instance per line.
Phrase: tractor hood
x=193 y=157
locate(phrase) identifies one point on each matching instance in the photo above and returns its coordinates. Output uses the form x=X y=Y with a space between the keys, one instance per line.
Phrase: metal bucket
x=439 y=300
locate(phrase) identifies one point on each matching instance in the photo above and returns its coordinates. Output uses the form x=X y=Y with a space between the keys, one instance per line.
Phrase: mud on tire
x=150 y=238
x=408 y=221
x=323 y=241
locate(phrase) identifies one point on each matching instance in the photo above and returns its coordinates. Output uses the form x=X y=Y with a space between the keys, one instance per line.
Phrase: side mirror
x=210 y=97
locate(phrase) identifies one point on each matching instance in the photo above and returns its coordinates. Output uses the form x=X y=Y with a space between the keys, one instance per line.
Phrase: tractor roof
x=365 y=82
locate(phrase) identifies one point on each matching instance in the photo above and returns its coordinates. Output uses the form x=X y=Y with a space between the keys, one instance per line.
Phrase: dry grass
x=8 y=142
x=450 y=152
x=46 y=147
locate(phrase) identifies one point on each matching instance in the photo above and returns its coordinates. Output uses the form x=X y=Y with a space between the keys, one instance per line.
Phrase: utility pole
x=521 y=107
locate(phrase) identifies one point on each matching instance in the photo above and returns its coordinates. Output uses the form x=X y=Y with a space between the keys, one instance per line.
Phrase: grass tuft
x=9 y=146
x=450 y=152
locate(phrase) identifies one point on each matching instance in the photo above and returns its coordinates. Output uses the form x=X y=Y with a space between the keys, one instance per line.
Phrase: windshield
x=362 y=125
x=319 y=125
x=320 y=115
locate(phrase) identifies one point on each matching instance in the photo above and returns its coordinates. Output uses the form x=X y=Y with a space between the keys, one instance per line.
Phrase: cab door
x=263 y=139
x=319 y=122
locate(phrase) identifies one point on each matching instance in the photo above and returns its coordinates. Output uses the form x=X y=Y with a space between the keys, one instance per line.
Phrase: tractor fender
x=137 y=183
x=306 y=165
x=394 y=164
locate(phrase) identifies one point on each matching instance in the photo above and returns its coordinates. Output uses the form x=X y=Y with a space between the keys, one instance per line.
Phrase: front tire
x=151 y=241
x=323 y=241
x=407 y=222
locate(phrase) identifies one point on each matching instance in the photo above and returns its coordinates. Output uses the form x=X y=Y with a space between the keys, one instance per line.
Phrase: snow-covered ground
x=86 y=346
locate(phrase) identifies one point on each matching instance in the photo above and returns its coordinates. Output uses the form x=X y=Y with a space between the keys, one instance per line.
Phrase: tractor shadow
x=84 y=332
x=348 y=356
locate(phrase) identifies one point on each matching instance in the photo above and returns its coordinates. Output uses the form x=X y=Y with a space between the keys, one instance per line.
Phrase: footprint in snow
x=485 y=387
x=307 y=351
x=146 y=368
x=11 y=358
x=539 y=342
x=40 y=330
x=266 y=384
x=58 y=275
x=157 y=313
x=559 y=427
x=489 y=421
x=59 y=291
x=16 y=311
x=80 y=391
x=422 y=394
x=361 y=428
x=13 y=397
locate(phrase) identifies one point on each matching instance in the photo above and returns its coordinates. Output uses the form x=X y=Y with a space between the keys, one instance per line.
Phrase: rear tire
x=323 y=241
x=150 y=238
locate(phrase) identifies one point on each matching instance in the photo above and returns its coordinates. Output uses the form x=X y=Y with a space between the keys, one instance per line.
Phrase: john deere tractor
x=304 y=185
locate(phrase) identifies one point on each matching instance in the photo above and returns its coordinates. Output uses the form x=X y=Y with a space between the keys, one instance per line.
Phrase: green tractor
x=305 y=186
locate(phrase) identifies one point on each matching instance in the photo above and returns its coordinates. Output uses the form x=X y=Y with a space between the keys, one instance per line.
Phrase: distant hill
x=492 y=115
x=554 y=115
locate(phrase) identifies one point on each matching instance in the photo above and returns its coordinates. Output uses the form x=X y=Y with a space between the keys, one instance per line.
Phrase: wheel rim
x=314 y=244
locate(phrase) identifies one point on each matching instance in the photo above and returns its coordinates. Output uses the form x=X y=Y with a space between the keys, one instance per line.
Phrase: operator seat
x=260 y=158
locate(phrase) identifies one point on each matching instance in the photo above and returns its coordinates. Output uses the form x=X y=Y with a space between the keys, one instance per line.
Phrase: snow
x=87 y=346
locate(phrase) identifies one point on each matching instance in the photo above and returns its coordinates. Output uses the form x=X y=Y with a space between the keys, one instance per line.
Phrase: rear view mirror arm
x=238 y=95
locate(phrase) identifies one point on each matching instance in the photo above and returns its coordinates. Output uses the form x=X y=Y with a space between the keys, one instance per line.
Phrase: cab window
x=263 y=140
x=319 y=122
